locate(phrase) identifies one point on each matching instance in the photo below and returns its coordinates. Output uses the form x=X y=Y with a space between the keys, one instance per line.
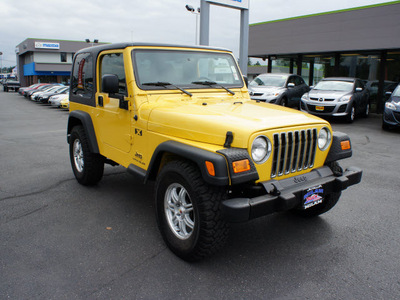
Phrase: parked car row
x=333 y=96
x=52 y=93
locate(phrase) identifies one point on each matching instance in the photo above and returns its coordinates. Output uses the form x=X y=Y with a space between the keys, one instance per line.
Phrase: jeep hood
x=209 y=122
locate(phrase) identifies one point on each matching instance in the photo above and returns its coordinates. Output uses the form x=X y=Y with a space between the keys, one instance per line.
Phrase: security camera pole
x=197 y=13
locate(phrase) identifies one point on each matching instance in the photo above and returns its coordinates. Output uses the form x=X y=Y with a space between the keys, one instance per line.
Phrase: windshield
x=269 y=80
x=184 y=69
x=332 y=85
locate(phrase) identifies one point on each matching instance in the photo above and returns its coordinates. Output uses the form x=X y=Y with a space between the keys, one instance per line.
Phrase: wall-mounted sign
x=243 y=4
x=47 y=45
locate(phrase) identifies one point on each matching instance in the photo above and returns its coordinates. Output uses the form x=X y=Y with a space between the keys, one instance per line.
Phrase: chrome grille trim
x=293 y=151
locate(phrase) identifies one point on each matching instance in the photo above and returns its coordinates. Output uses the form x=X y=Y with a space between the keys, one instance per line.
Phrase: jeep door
x=115 y=127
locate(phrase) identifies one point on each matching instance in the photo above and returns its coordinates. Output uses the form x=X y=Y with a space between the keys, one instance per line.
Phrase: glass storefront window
x=361 y=66
x=281 y=65
x=324 y=66
x=393 y=67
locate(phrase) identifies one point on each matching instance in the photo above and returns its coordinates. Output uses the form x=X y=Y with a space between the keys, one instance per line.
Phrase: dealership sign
x=243 y=4
x=47 y=45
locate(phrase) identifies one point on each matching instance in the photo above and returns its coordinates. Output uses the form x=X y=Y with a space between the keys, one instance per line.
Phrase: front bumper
x=287 y=194
x=331 y=108
x=268 y=99
x=391 y=117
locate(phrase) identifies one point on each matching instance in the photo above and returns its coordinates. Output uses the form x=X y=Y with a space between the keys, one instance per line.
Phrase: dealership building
x=44 y=60
x=361 y=42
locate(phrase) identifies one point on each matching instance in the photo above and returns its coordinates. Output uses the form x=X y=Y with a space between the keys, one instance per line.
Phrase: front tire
x=351 y=115
x=366 y=111
x=88 y=167
x=188 y=212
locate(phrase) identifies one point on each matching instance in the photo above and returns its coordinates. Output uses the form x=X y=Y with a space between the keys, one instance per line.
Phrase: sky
x=161 y=21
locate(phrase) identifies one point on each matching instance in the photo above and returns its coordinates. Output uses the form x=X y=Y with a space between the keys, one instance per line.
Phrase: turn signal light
x=241 y=166
x=345 y=145
x=210 y=168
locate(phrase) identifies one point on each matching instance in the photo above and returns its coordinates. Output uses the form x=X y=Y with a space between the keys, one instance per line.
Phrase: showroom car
x=338 y=97
x=391 y=113
x=282 y=89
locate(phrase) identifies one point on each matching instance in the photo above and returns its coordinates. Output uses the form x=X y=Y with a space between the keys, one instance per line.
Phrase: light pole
x=197 y=13
x=91 y=43
x=1 y=72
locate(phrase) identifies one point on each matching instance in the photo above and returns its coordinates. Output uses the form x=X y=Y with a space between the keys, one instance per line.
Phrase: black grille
x=323 y=99
x=293 y=151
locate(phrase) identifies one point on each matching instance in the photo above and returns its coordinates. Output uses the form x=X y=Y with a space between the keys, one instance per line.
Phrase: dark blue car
x=391 y=113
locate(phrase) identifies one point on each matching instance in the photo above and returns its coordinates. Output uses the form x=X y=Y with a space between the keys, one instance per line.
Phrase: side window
x=291 y=80
x=359 y=84
x=63 y=56
x=82 y=76
x=114 y=64
x=299 y=81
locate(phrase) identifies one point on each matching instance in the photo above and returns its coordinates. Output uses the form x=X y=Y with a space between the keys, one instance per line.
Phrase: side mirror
x=291 y=85
x=388 y=93
x=311 y=87
x=359 y=89
x=109 y=83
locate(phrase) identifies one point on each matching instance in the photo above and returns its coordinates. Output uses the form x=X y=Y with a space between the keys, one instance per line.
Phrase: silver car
x=337 y=97
x=282 y=89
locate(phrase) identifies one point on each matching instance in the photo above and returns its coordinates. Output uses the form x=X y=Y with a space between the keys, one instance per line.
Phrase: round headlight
x=261 y=149
x=324 y=138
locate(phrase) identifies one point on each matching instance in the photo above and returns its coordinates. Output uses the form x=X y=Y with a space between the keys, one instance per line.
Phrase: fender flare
x=78 y=117
x=196 y=155
x=336 y=152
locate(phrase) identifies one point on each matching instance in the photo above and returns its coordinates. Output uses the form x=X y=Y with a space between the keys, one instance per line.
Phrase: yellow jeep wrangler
x=182 y=116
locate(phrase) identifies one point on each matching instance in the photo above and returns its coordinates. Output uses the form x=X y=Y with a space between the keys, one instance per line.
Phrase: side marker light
x=210 y=168
x=345 y=145
x=241 y=166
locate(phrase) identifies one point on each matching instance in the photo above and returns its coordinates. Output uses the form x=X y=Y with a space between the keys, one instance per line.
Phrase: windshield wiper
x=165 y=84
x=211 y=83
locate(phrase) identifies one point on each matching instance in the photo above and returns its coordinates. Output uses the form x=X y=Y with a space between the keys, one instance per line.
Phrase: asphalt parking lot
x=60 y=240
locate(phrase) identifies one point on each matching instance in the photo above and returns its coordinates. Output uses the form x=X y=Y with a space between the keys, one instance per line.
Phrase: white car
x=56 y=99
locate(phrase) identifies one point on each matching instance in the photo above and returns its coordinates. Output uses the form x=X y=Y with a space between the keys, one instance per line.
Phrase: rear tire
x=188 y=211
x=88 y=167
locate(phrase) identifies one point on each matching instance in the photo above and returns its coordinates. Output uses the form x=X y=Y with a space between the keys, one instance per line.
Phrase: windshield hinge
x=228 y=139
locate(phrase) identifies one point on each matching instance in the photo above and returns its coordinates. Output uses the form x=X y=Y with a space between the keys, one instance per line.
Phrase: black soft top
x=97 y=49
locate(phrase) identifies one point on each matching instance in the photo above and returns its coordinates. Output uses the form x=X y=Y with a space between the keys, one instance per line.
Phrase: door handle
x=100 y=101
